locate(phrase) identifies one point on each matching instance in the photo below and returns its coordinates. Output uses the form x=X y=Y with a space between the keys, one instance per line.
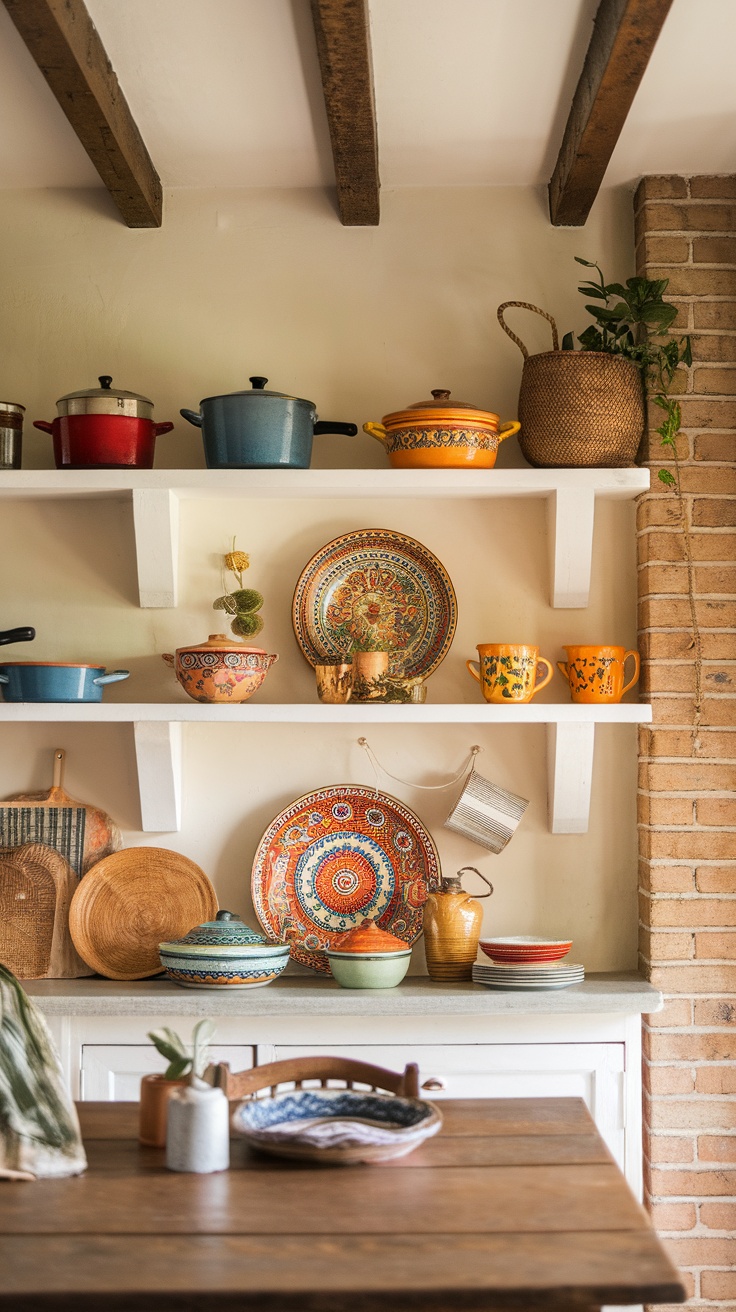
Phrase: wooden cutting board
x=36 y=888
x=83 y=834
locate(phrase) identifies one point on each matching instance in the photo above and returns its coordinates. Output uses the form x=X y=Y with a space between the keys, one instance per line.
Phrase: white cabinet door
x=111 y=1072
x=592 y=1071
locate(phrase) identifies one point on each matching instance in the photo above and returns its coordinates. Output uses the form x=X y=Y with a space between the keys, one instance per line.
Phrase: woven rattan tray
x=133 y=900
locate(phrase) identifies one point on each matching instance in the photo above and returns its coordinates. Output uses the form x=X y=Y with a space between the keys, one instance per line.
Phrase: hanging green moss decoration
x=242 y=603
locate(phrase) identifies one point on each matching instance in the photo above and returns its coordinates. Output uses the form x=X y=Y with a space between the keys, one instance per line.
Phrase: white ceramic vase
x=198 y=1131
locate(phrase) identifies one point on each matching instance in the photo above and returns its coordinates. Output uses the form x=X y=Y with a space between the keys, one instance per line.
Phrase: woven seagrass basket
x=577 y=407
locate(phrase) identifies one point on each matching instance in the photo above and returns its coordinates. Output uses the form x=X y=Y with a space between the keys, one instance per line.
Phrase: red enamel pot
x=104 y=428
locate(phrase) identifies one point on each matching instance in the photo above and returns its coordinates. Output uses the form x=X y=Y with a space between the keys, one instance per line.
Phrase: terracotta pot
x=369 y=670
x=154 y=1109
x=220 y=669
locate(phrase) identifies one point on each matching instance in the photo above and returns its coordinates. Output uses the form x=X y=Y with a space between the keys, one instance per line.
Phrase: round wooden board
x=133 y=900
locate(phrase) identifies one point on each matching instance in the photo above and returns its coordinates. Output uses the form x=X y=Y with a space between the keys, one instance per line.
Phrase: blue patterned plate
x=338 y=1126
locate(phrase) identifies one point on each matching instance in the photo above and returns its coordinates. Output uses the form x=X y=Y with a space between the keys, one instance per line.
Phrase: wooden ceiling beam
x=624 y=36
x=67 y=48
x=343 y=47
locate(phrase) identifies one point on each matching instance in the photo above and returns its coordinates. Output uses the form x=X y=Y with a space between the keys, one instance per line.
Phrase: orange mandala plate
x=336 y=856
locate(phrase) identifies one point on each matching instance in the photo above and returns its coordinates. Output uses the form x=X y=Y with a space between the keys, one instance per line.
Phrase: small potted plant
x=157 y=1089
x=371 y=658
x=587 y=407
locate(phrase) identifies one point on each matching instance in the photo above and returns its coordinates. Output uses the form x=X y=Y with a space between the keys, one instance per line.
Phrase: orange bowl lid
x=367 y=937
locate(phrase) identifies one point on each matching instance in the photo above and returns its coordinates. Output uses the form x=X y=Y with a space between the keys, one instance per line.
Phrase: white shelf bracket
x=569 y=776
x=571 y=512
x=156 y=526
x=158 y=754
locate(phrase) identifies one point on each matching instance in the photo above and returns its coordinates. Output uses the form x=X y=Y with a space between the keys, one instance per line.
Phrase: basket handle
x=526 y=305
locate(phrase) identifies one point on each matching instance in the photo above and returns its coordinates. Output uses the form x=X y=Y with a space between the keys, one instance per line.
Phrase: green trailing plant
x=633 y=319
x=240 y=602
x=184 y=1060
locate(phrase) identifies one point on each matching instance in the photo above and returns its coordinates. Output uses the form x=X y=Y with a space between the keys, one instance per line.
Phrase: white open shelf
x=155 y=495
x=157 y=730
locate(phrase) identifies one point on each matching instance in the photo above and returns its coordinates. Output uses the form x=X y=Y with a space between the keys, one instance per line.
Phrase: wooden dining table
x=515 y=1204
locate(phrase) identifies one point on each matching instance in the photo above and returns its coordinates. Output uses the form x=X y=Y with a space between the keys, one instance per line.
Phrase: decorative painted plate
x=378 y=585
x=336 y=856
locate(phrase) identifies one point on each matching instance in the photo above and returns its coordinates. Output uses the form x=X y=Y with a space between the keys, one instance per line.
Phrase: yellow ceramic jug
x=452 y=921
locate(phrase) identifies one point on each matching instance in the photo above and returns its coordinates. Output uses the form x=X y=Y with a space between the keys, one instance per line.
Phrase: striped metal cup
x=487 y=814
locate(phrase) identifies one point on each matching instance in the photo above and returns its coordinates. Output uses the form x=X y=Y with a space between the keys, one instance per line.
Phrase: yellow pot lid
x=442 y=409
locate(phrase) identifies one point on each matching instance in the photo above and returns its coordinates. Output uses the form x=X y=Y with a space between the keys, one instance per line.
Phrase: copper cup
x=334 y=682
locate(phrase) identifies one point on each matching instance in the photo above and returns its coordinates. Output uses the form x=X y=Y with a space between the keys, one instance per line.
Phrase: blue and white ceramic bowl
x=223 y=953
x=336 y=1126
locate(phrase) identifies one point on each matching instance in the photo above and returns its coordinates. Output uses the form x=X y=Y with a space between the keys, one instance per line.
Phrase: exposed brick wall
x=686 y=231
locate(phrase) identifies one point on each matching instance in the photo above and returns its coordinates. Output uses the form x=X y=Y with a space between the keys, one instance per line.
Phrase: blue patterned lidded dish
x=223 y=953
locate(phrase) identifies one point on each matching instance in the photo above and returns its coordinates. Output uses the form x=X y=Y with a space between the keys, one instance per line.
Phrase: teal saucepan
x=39 y=681
x=256 y=429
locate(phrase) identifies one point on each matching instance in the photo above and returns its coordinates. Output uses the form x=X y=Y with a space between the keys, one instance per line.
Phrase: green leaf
x=168 y=1043
x=667 y=478
x=589 y=264
x=177 y=1068
x=568 y=342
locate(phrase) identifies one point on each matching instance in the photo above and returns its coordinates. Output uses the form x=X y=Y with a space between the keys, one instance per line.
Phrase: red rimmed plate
x=380 y=587
x=336 y=856
x=522 y=948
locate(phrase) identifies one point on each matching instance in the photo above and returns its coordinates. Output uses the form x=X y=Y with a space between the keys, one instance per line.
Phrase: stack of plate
x=545 y=975
x=525 y=950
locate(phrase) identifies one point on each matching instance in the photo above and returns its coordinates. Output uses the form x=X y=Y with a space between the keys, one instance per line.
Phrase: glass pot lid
x=105 y=400
x=227 y=930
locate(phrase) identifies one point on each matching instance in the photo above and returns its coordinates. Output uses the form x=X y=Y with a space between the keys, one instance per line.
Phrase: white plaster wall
x=362 y=321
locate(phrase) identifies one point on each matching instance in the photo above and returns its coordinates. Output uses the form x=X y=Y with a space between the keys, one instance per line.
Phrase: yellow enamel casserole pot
x=441 y=434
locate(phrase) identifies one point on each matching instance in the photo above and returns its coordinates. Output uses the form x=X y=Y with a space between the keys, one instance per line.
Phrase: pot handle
x=114 y=677
x=376 y=430
x=158 y=429
x=193 y=416
x=17 y=635
x=168 y=657
x=43 y=425
x=508 y=430
x=332 y=426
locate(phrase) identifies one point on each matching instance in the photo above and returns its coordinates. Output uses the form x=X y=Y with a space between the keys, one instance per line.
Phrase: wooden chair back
x=296 y=1070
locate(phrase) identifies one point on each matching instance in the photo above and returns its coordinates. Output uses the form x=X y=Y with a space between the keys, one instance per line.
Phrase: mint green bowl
x=354 y=970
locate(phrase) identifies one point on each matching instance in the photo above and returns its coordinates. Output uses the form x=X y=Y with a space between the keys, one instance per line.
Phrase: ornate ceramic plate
x=380 y=585
x=336 y=856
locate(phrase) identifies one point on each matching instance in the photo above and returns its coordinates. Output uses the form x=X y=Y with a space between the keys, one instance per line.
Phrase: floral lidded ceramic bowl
x=223 y=953
x=220 y=669
x=441 y=434
x=367 y=957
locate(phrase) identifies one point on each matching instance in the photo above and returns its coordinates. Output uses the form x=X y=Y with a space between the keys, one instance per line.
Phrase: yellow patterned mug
x=509 y=673
x=596 y=674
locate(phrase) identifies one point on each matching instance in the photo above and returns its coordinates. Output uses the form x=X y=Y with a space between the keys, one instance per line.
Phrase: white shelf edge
x=317 y=713
x=156 y=493
x=157 y=731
